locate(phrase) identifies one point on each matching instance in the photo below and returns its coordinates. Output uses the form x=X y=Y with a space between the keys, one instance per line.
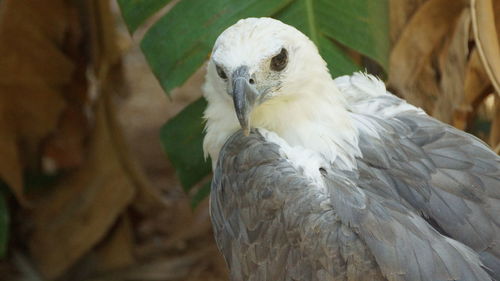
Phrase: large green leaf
x=301 y=14
x=361 y=25
x=182 y=140
x=135 y=12
x=180 y=42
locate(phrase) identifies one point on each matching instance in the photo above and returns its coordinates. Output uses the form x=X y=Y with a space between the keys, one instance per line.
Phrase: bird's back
x=272 y=223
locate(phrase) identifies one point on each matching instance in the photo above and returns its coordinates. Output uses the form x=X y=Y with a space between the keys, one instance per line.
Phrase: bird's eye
x=279 y=62
x=221 y=72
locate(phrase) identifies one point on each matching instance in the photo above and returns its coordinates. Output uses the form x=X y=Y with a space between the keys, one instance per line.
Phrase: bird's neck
x=313 y=116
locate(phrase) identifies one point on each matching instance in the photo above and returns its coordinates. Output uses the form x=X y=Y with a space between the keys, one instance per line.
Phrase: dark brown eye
x=221 y=72
x=279 y=62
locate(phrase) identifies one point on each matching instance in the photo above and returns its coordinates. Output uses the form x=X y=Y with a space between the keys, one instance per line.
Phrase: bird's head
x=261 y=61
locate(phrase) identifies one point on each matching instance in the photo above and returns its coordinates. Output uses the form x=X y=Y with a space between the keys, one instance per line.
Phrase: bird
x=318 y=178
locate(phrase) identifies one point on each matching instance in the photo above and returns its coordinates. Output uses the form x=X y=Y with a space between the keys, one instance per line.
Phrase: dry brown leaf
x=65 y=147
x=10 y=166
x=116 y=251
x=476 y=79
x=496 y=10
x=78 y=214
x=427 y=87
x=86 y=205
x=148 y=200
x=105 y=53
x=44 y=106
x=197 y=226
x=164 y=268
x=476 y=82
x=36 y=86
x=417 y=44
x=31 y=80
x=494 y=140
x=486 y=34
x=109 y=68
x=452 y=63
x=400 y=13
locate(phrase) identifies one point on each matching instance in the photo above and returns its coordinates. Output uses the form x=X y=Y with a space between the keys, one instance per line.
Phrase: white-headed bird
x=338 y=179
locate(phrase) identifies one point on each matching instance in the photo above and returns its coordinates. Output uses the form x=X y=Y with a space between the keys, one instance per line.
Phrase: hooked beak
x=244 y=97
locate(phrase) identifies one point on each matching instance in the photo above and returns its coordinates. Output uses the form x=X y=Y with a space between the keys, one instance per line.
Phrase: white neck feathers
x=312 y=114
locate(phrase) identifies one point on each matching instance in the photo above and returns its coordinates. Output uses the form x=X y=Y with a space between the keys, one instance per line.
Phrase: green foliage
x=182 y=141
x=135 y=12
x=361 y=25
x=178 y=44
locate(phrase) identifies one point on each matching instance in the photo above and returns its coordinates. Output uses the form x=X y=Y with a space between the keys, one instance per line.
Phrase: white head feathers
x=300 y=102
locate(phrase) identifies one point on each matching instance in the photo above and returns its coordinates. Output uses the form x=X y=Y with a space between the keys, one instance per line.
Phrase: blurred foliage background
x=102 y=175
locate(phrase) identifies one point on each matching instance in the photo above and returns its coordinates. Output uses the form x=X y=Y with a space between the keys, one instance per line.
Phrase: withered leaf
x=486 y=34
x=452 y=62
x=400 y=13
x=494 y=140
x=476 y=82
x=412 y=54
x=35 y=72
x=81 y=209
x=116 y=251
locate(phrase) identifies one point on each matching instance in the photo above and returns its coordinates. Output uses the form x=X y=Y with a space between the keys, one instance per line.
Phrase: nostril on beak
x=251 y=81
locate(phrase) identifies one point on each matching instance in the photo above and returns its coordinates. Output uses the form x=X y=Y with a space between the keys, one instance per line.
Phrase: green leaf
x=178 y=44
x=182 y=139
x=362 y=25
x=135 y=12
x=303 y=16
x=332 y=53
x=4 y=221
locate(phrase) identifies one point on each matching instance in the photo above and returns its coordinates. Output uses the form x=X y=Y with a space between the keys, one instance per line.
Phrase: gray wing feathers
x=270 y=223
x=453 y=179
x=404 y=245
x=449 y=176
x=424 y=204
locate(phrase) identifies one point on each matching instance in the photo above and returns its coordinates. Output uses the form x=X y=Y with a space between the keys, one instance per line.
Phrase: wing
x=271 y=223
x=450 y=177
x=404 y=245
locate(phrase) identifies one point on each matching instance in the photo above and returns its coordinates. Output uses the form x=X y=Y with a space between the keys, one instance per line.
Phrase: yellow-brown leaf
x=452 y=62
x=34 y=74
x=483 y=22
x=412 y=55
x=78 y=214
x=400 y=13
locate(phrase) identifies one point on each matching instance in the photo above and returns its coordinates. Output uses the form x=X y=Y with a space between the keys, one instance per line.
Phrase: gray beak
x=244 y=97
